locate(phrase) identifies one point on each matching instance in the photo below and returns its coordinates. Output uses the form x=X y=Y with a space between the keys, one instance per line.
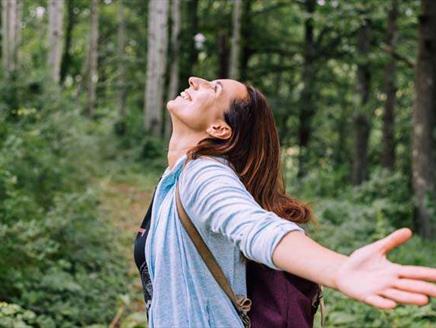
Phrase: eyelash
x=215 y=87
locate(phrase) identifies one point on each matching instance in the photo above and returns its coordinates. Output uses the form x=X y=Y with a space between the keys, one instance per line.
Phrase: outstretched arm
x=366 y=275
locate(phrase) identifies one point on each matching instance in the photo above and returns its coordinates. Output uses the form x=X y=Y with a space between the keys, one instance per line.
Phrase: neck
x=179 y=145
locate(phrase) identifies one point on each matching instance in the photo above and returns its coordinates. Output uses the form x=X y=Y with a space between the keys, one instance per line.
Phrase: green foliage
x=58 y=257
x=14 y=316
x=357 y=216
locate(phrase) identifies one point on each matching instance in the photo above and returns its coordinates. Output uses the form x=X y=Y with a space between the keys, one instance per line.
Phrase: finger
x=403 y=297
x=416 y=286
x=394 y=239
x=417 y=272
x=380 y=302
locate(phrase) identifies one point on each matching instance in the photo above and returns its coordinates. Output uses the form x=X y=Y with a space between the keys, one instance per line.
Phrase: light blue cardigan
x=228 y=218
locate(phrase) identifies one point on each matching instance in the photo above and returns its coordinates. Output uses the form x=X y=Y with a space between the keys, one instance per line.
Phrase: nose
x=193 y=82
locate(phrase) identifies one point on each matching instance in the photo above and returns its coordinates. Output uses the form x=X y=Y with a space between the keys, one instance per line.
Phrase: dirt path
x=124 y=203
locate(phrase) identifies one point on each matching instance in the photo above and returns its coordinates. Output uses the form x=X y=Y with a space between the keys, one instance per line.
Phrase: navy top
x=139 y=256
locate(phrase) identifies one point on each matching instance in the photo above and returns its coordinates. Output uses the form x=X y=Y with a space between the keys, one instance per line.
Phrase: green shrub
x=59 y=260
x=359 y=216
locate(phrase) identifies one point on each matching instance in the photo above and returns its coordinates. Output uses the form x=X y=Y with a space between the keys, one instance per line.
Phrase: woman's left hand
x=368 y=276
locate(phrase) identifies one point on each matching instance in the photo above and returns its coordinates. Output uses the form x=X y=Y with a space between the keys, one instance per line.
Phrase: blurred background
x=84 y=133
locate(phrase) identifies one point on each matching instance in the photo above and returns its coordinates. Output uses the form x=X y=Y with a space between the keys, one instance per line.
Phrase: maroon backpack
x=281 y=299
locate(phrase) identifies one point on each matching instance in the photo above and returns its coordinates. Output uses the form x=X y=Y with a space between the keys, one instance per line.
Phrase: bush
x=359 y=216
x=58 y=259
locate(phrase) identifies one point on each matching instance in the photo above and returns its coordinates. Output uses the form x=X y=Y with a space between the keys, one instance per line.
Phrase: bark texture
x=362 y=119
x=92 y=59
x=388 y=153
x=55 y=37
x=11 y=22
x=173 y=88
x=156 y=64
x=235 y=47
x=424 y=123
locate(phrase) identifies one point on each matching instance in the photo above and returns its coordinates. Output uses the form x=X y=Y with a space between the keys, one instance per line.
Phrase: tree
x=55 y=37
x=92 y=59
x=11 y=20
x=121 y=44
x=223 y=52
x=388 y=153
x=66 y=56
x=424 y=122
x=307 y=107
x=173 y=87
x=235 y=47
x=189 y=53
x=246 y=35
x=156 y=64
x=362 y=118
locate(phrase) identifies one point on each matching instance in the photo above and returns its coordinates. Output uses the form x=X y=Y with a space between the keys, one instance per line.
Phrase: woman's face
x=201 y=107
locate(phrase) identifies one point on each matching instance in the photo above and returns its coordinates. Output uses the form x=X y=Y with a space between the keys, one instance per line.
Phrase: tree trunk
x=235 y=48
x=93 y=57
x=307 y=106
x=223 y=54
x=156 y=64
x=11 y=20
x=55 y=37
x=66 y=56
x=246 y=32
x=173 y=88
x=121 y=44
x=388 y=154
x=424 y=122
x=189 y=53
x=362 y=123
x=339 y=156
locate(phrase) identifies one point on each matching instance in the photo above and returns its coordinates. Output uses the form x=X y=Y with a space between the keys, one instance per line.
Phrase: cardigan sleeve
x=215 y=199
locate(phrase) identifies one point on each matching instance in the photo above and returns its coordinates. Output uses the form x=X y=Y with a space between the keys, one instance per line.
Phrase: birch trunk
x=236 y=41
x=175 y=50
x=156 y=64
x=11 y=22
x=424 y=123
x=122 y=90
x=55 y=37
x=92 y=57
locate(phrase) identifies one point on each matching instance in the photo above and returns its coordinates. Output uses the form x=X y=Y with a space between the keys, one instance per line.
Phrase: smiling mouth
x=185 y=95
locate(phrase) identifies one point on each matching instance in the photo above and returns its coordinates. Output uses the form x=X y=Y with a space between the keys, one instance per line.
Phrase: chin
x=171 y=105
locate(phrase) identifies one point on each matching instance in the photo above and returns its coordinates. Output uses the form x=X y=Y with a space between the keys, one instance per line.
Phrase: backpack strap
x=322 y=305
x=241 y=303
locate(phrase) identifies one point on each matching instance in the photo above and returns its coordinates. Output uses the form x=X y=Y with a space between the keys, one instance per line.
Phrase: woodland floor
x=124 y=201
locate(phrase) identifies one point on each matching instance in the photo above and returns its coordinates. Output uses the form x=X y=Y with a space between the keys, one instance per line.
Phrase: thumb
x=393 y=240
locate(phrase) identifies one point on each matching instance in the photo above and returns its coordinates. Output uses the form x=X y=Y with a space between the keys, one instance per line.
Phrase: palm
x=368 y=276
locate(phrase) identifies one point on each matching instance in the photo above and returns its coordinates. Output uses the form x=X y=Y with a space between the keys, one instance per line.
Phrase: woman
x=224 y=152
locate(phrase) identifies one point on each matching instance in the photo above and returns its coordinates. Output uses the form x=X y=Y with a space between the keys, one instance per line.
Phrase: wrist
x=334 y=270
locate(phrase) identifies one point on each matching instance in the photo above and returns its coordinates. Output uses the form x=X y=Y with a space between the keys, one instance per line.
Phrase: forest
x=84 y=134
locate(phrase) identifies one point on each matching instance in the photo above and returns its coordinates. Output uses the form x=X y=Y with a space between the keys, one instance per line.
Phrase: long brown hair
x=254 y=151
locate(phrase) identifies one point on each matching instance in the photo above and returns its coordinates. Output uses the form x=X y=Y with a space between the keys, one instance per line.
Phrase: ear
x=220 y=130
